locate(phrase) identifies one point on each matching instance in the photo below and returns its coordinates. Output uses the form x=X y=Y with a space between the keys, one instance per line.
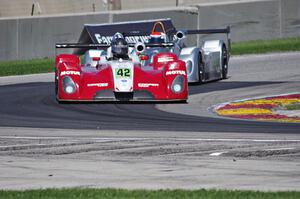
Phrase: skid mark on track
x=139 y=138
x=133 y=147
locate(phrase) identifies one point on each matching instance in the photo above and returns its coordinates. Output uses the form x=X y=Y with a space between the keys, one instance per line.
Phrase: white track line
x=22 y=145
x=279 y=149
x=217 y=153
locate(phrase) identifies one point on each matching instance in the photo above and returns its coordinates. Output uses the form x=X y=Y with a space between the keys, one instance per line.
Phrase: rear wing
x=133 y=31
x=99 y=36
x=80 y=48
x=137 y=30
x=79 y=45
x=210 y=31
x=104 y=46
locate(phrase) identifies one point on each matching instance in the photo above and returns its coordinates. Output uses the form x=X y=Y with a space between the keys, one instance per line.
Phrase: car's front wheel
x=56 y=87
x=224 y=62
x=201 y=72
x=56 y=83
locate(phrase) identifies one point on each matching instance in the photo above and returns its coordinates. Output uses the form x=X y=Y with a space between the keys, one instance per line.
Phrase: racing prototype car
x=115 y=73
x=205 y=62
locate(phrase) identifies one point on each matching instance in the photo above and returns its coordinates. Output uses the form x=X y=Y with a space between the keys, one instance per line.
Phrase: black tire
x=56 y=84
x=201 y=72
x=224 y=62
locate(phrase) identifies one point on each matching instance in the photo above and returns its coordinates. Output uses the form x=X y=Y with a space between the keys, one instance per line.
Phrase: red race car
x=115 y=73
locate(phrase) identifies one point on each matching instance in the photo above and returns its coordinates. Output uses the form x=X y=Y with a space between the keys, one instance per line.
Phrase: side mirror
x=140 y=47
x=180 y=35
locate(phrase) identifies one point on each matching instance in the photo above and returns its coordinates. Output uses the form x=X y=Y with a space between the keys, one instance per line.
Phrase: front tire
x=56 y=87
x=56 y=84
x=201 y=72
x=224 y=62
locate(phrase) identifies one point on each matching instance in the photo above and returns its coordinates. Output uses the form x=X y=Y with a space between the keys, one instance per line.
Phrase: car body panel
x=106 y=83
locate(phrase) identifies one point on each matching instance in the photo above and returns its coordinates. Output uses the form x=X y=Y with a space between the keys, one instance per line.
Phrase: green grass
x=250 y=47
x=26 y=67
x=140 y=194
x=266 y=46
x=291 y=107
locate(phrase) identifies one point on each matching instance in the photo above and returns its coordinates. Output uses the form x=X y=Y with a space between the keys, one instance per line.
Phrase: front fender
x=212 y=55
x=174 y=71
x=190 y=56
x=69 y=70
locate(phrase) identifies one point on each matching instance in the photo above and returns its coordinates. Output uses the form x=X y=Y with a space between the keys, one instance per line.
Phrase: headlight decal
x=68 y=85
x=178 y=84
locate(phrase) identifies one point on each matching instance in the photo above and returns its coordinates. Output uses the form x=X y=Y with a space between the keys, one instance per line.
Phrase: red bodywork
x=150 y=83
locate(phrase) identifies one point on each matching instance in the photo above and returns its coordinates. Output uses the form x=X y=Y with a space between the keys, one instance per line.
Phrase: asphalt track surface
x=34 y=105
x=45 y=144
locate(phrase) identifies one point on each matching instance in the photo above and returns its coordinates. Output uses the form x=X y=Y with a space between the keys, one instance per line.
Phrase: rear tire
x=224 y=62
x=201 y=72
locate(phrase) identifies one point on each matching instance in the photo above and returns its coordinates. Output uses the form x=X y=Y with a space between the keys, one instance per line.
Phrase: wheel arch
x=190 y=54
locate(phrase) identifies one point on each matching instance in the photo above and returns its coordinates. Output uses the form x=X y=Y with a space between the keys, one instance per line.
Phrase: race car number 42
x=123 y=73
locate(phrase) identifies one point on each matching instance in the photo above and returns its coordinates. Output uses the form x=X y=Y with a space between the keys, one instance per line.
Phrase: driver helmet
x=157 y=38
x=119 y=48
x=117 y=35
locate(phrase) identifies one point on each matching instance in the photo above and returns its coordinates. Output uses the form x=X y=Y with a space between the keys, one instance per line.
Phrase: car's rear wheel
x=224 y=62
x=201 y=72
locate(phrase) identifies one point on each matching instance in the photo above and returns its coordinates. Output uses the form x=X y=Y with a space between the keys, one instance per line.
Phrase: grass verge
x=124 y=194
x=291 y=107
x=266 y=46
x=8 y=68
x=250 y=47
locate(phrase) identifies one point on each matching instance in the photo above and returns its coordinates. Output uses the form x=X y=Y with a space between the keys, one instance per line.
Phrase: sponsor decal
x=69 y=73
x=147 y=85
x=176 y=72
x=98 y=85
x=165 y=59
x=129 y=39
x=173 y=66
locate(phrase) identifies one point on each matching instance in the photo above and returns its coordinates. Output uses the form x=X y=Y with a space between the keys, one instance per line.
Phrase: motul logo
x=69 y=73
x=176 y=72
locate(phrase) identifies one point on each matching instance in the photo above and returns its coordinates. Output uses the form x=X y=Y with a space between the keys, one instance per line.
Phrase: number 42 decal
x=123 y=72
